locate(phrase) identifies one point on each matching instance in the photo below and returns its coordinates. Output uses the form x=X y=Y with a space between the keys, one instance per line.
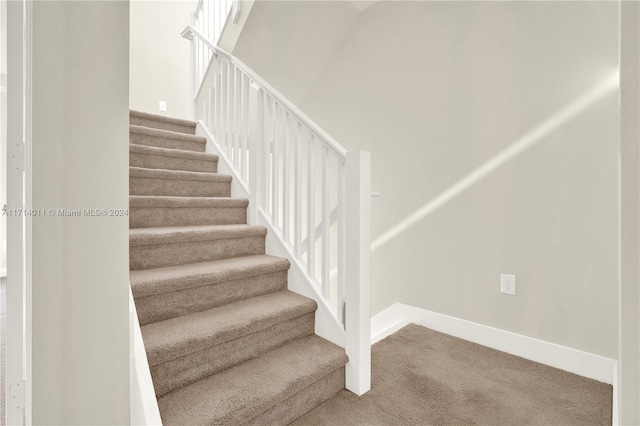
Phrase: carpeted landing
x=422 y=377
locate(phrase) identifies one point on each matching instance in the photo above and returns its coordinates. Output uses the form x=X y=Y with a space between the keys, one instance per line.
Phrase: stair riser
x=171 y=163
x=304 y=401
x=177 y=303
x=180 y=372
x=137 y=121
x=157 y=256
x=149 y=217
x=160 y=142
x=178 y=188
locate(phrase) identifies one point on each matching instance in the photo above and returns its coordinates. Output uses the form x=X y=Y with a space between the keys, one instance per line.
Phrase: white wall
x=159 y=57
x=80 y=264
x=437 y=89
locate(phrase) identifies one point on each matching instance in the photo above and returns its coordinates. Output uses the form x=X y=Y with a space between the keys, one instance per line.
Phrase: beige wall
x=482 y=168
x=288 y=43
x=3 y=130
x=159 y=57
x=629 y=315
x=80 y=264
x=435 y=90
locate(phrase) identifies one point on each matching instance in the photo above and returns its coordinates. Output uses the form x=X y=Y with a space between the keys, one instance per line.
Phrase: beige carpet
x=422 y=377
x=226 y=342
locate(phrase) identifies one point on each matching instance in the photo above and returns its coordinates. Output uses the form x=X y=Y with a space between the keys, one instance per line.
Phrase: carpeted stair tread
x=166 y=134
x=147 y=211
x=152 y=157
x=161 y=182
x=169 y=138
x=140 y=172
x=226 y=341
x=161 y=121
x=148 y=282
x=185 y=202
x=180 y=234
x=173 y=291
x=174 y=153
x=241 y=393
x=177 y=337
x=158 y=247
x=162 y=118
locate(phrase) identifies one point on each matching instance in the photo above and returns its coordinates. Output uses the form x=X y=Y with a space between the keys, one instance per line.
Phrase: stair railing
x=313 y=194
x=209 y=17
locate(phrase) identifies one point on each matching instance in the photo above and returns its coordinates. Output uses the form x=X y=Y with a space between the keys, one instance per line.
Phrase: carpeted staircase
x=227 y=343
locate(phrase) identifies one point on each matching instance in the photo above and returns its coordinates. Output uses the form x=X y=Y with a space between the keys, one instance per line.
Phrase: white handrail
x=190 y=31
x=313 y=195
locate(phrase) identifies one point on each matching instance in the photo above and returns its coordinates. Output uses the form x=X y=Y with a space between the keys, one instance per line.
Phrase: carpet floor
x=422 y=377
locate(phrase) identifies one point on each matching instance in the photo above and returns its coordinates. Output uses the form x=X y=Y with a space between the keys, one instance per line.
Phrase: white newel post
x=256 y=148
x=358 y=271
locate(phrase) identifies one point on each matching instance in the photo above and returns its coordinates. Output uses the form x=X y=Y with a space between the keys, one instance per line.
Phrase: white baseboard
x=3 y=272
x=572 y=360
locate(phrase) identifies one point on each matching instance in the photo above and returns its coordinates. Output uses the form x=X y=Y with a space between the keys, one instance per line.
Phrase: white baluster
x=223 y=107
x=218 y=107
x=229 y=112
x=240 y=124
x=326 y=218
x=276 y=168
x=341 y=218
x=266 y=158
x=205 y=19
x=212 y=107
x=192 y=58
x=311 y=213
x=205 y=111
x=245 y=114
x=256 y=147
x=297 y=190
x=286 y=172
x=238 y=116
x=212 y=23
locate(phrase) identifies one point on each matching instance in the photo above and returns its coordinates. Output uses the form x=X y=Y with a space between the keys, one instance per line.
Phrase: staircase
x=226 y=342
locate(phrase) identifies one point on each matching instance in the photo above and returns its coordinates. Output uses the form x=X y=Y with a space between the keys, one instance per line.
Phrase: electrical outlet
x=163 y=106
x=508 y=284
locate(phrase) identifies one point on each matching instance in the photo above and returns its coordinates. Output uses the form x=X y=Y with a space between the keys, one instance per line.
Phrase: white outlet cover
x=508 y=284
x=162 y=106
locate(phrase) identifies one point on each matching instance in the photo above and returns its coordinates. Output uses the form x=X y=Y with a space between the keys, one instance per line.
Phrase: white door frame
x=18 y=221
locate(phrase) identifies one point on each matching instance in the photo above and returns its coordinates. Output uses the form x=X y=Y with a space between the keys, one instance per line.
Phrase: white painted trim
x=144 y=405
x=3 y=272
x=19 y=86
x=572 y=360
x=615 y=419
